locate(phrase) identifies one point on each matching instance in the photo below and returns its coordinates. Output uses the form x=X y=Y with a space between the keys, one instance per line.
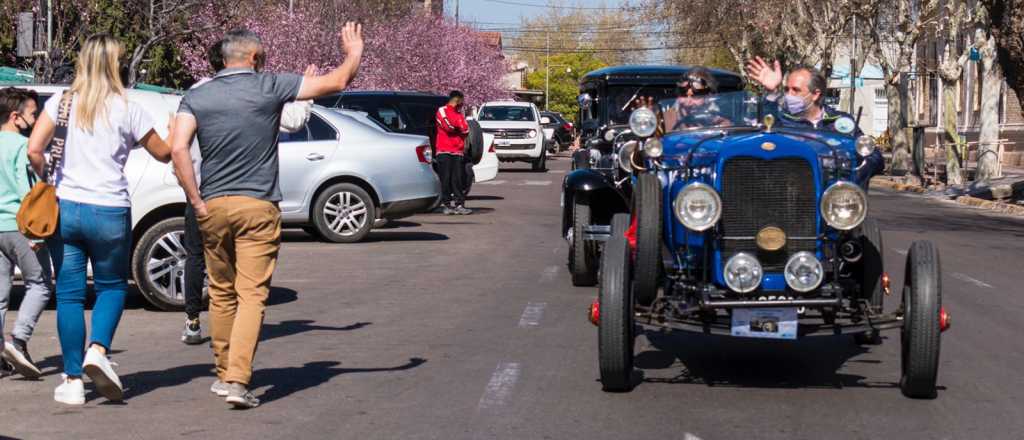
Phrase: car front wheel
x=158 y=264
x=921 y=333
x=344 y=213
x=541 y=163
x=615 y=325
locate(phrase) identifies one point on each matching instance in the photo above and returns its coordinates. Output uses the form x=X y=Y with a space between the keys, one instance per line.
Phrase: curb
x=896 y=186
x=990 y=205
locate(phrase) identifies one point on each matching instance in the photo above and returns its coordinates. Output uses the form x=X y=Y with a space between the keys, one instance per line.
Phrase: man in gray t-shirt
x=236 y=118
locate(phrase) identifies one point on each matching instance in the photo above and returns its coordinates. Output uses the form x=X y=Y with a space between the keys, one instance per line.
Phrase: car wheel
x=344 y=213
x=615 y=325
x=921 y=334
x=871 y=267
x=647 y=268
x=540 y=163
x=582 y=255
x=158 y=264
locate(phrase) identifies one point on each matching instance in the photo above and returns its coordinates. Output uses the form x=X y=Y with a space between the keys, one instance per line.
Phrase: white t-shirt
x=93 y=167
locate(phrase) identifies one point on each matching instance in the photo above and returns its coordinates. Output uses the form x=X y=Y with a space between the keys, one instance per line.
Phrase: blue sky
x=501 y=12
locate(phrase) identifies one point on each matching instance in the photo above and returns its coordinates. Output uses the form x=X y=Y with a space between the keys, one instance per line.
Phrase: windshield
x=620 y=99
x=506 y=113
x=731 y=109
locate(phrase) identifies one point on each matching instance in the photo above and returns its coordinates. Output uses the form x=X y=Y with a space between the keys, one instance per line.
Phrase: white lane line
x=899 y=251
x=549 y=274
x=500 y=386
x=556 y=171
x=492 y=182
x=969 y=279
x=532 y=315
x=535 y=183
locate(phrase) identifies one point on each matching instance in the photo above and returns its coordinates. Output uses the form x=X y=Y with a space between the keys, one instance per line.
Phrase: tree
x=950 y=69
x=564 y=86
x=992 y=80
x=895 y=27
x=157 y=22
x=608 y=35
x=1007 y=27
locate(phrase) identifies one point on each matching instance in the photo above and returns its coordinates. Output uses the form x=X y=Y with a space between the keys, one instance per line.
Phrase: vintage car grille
x=757 y=193
x=508 y=133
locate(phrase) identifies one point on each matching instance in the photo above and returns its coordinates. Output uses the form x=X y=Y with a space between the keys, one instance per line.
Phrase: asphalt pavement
x=468 y=327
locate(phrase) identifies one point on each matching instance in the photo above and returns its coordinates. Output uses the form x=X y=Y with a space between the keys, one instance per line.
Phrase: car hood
x=508 y=124
x=759 y=143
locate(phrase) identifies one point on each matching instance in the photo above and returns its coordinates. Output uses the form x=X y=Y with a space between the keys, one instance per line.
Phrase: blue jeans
x=100 y=234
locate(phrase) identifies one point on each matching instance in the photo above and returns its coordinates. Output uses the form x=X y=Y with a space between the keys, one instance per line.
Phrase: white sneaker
x=70 y=391
x=99 y=370
x=219 y=388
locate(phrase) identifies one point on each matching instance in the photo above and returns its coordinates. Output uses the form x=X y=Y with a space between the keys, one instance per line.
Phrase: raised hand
x=352 y=39
x=769 y=76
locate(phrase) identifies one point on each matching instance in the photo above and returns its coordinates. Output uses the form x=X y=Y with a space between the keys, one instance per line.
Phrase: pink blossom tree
x=412 y=52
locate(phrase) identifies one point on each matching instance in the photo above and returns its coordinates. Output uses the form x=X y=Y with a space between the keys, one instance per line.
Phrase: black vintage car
x=597 y=187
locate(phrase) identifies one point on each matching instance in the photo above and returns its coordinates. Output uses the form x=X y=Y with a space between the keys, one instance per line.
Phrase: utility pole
x=49 y=26
x=291 y=7
x=456 y=12
x=854 y=71
x=547 y=67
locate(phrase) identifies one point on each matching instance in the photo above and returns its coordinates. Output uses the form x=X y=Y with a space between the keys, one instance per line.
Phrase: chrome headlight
x=643 y=122
x=804 y=272
x=531 y=134
x=610 y=135
x=742 y=273
x=653 y=148
x=866 y=145
x=698 y=206
x=844 y=206
x=626 y=155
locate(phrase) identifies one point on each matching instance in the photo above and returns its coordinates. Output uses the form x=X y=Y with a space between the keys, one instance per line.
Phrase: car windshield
x=506 y=113
x=620 y=99
x=730 y=109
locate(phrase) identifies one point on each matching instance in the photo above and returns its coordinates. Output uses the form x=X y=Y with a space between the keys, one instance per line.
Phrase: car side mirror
x=585 y=100
x=545 y=120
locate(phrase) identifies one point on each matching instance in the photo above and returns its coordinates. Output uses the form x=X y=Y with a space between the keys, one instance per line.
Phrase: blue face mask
x=795 y=105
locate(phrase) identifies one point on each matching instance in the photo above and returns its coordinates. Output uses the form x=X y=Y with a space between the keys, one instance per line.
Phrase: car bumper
x=519 y=151
x=405 y=208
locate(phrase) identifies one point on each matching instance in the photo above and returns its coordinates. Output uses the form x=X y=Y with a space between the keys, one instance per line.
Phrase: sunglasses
x=698 y=86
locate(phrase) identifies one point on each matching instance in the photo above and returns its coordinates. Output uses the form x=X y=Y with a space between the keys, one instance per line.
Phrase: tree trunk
x=954 y=176
x=1007 y=18
x=133 y=67
x=992 y=80
x=897 y=127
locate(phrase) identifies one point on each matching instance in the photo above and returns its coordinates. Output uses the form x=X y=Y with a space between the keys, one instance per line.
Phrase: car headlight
x=653 y=148
x=698 y=206
x=626 y=155
x=804 y=272
x=531 y=134
x=844 y=206
x=610 y=135
x=643 y=122
x=866 y=145
x=742 y=273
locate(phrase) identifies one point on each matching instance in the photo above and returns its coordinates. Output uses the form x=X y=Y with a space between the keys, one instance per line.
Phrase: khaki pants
x=241 y=238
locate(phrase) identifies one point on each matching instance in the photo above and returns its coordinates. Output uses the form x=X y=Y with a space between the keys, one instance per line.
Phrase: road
x=468 y=328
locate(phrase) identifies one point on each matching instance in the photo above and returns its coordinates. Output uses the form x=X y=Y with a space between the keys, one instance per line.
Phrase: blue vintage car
x=745 y=227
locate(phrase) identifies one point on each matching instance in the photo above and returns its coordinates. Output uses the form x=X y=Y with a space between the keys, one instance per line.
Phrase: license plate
x=503 y=142
x=770 y=323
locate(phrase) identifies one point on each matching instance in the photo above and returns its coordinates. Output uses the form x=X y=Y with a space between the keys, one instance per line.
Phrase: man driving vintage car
x=803 y=106
x=695 y=106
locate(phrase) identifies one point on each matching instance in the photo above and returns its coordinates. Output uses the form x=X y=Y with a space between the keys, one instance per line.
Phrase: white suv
x=518 y=135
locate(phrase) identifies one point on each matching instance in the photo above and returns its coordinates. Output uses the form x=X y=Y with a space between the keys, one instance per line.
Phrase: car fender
x=594 y=187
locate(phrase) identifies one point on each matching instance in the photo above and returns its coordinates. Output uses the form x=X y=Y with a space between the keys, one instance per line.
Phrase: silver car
x=339 y=176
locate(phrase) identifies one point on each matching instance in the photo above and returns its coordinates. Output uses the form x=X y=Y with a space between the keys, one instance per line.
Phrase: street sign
x=26 y=32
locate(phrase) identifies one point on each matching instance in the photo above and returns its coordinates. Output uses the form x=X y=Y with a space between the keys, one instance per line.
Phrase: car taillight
x=567 y=126
x=423 y=153
x=491 y=149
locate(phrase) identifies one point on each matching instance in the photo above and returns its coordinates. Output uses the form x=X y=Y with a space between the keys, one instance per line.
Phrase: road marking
x=535 y=183
x=556 y=171
x=969 y=279
x=500 y=386
x=549 y=274
x=899 y=251
x=532 y=315
x=492 y=182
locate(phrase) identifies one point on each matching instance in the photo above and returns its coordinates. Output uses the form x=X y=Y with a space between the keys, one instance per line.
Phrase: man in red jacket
x=450 y=146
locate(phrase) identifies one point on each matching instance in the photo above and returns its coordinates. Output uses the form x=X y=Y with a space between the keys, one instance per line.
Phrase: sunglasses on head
x=698 y=86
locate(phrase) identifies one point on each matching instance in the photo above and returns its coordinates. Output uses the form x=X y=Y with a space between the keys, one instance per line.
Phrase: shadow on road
x=377 y=237
x=284 y=382
x=281 y=295
x=734 y=362
x=472 y=198
x=289 y=328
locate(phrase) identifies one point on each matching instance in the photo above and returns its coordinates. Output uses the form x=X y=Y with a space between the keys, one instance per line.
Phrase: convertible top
x=658 y=74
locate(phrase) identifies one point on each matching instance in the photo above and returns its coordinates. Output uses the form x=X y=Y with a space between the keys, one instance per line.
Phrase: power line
x=549 y=6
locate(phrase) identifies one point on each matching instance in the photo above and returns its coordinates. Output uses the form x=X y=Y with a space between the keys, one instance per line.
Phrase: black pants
x=451 y=172
x=195 y=265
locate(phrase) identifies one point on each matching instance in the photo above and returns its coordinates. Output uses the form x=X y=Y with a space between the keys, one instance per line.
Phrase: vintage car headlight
x=866 y=145
x=643 y=122
x=531 y=134
x=653 y=148
x=610 y=135
x=804 y=272
x=844 y=206
x=742 y=273
x=626 y=155
x=698 y=206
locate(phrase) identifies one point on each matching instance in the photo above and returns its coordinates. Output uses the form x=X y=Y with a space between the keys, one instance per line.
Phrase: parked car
x=597 y=187
x=338 y=176
x=764 y=232
x=412 y=113
x=518 y=135
x=557 y=130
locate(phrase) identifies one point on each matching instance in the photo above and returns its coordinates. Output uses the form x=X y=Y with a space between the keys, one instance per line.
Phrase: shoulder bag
x=39 y=212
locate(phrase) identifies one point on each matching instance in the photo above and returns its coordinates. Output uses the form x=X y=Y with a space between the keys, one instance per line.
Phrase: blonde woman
x=95 y=212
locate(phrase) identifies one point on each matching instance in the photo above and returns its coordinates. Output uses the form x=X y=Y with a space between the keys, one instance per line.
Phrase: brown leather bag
x=39 y=214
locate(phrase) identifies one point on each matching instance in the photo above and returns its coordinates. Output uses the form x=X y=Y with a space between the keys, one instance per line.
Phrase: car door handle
x=313 y=157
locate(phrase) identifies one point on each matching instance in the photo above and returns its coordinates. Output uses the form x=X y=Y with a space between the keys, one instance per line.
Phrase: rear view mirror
x=545 y=120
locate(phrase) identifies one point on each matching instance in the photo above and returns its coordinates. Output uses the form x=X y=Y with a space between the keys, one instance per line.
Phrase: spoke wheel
x=158 y=264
